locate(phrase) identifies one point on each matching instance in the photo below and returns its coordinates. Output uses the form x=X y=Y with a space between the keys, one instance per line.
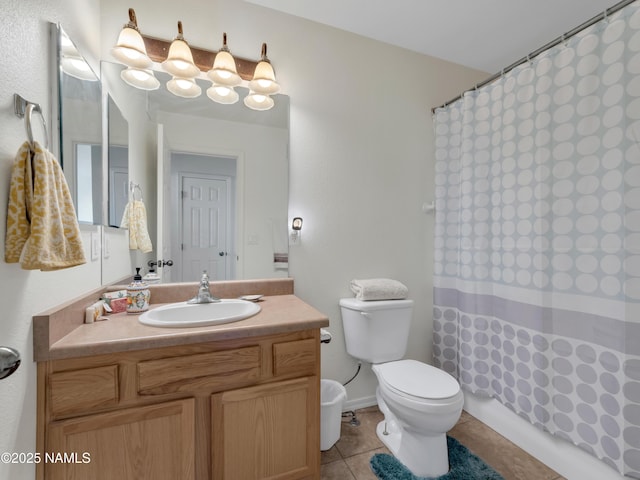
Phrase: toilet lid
x=418 y=379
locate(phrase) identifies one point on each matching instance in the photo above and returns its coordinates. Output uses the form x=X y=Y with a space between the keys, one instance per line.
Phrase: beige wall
x=361 y=153
x=361 y=164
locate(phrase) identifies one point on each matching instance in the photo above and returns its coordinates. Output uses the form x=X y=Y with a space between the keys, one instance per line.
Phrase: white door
x=205 y=207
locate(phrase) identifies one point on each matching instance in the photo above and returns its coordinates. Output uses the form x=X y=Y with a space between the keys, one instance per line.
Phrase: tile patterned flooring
x=349 y=458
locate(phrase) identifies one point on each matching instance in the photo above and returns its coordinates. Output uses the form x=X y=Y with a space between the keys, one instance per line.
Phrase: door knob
x=9 y=361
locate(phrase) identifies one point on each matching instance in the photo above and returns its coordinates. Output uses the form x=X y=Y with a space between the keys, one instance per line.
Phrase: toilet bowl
x=420 y=402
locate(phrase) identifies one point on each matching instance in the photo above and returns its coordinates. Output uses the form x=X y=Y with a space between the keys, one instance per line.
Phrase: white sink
x=185 y=314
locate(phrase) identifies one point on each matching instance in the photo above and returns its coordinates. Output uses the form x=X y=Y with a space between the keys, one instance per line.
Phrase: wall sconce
x=296 y=227
x=225 y=72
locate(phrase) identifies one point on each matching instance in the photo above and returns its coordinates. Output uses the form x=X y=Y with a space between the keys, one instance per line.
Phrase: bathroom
x=339 y=137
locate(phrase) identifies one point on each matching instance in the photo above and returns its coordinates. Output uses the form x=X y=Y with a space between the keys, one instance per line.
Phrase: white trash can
x=332 y=396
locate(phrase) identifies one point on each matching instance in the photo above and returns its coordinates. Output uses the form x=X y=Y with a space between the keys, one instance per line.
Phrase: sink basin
x=184 y=314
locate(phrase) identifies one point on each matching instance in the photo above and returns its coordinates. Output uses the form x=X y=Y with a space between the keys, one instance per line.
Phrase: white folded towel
x=379 y=289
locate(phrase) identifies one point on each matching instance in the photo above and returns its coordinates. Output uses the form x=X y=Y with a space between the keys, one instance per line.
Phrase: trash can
x=332 y=395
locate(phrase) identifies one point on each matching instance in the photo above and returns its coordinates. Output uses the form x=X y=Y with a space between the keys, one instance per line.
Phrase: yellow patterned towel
x=135 y=219
x=42 y=227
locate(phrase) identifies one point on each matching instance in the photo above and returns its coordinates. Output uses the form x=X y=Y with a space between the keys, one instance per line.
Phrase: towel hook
x=133 y=187
x=24 y=109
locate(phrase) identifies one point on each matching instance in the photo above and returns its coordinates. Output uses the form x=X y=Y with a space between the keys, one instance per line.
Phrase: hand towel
x=42 y=226
x=378 y=289
x=135 y=219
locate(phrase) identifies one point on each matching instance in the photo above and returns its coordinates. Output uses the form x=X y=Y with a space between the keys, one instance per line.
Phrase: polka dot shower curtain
x=537 y=240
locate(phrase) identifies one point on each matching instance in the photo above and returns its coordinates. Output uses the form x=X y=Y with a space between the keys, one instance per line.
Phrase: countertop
x=123 y=332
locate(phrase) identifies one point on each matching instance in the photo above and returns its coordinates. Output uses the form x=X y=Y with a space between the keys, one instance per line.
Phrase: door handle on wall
x=9 y=361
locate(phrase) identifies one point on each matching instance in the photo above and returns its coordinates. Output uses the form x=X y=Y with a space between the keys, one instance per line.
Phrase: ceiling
x=487 y=35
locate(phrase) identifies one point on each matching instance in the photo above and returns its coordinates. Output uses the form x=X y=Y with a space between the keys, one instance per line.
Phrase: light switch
x=95 y=246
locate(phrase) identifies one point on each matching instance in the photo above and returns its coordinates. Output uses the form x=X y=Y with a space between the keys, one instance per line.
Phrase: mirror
x=117 y=163
x=80 y=129
x=222 y=183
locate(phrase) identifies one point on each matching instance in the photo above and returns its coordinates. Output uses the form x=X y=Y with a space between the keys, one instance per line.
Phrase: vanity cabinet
x=243 y=409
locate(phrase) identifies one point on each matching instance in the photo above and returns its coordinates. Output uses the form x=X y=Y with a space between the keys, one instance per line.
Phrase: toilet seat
x=417 y=380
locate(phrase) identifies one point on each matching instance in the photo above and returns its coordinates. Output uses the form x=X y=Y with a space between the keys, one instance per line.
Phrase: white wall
x=25 y=70
x=361 y=164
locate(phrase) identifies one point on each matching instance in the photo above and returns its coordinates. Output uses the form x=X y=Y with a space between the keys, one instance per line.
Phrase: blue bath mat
x=463 y=464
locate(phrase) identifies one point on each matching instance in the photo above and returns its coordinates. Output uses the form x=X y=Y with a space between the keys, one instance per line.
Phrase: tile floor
x=349 y=458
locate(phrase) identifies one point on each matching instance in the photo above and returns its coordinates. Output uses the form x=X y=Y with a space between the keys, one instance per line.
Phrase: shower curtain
x=537 y=240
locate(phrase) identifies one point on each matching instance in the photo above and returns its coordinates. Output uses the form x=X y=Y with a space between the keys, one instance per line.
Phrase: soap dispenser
x=138 y=295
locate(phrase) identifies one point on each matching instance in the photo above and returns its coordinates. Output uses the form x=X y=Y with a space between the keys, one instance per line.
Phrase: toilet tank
x=376 y=331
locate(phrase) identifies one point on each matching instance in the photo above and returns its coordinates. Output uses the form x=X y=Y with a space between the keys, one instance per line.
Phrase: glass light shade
x=184 y=87
x=222 y=94
x=264 y=79
x=140 y=78
x=258 y=101
x=67 y=47
x=130 y=49
x=224 y=70
x=77 y=67
x=179 y=62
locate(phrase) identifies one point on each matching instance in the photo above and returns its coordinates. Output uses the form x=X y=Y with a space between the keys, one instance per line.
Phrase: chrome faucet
x=204 y=294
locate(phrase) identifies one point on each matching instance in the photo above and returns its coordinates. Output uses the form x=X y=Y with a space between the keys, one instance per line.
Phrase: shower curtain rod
x=553 y=43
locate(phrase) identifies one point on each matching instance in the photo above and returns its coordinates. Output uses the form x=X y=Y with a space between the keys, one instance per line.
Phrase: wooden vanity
x=118 y=399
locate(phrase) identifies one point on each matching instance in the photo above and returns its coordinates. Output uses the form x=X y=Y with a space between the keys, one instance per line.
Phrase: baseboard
x=565 y=458
x=357 y=403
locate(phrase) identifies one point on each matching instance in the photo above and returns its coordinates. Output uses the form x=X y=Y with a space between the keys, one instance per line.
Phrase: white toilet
x=420 y=403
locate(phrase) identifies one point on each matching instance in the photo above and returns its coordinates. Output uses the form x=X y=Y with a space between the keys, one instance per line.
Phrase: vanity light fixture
x=141 y=78
x=140 y=53
x=264 y=78
x=224 y=71
x=179 y=62
x=77 y=67
x=296 y=224
x=224 y=76
x=131 y=51
x=258 y=101
x=262 y=85
x=184 y=87
x=130 y=48
x=72 y=62
x=222 y=94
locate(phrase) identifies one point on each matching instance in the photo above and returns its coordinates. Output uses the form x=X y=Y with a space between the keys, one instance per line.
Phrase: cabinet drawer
x=80 y=391
x=201 y=371
x=299 y=356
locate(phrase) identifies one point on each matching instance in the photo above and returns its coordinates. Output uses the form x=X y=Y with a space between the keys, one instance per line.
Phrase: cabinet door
x=268 y=431
x=154 y=442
